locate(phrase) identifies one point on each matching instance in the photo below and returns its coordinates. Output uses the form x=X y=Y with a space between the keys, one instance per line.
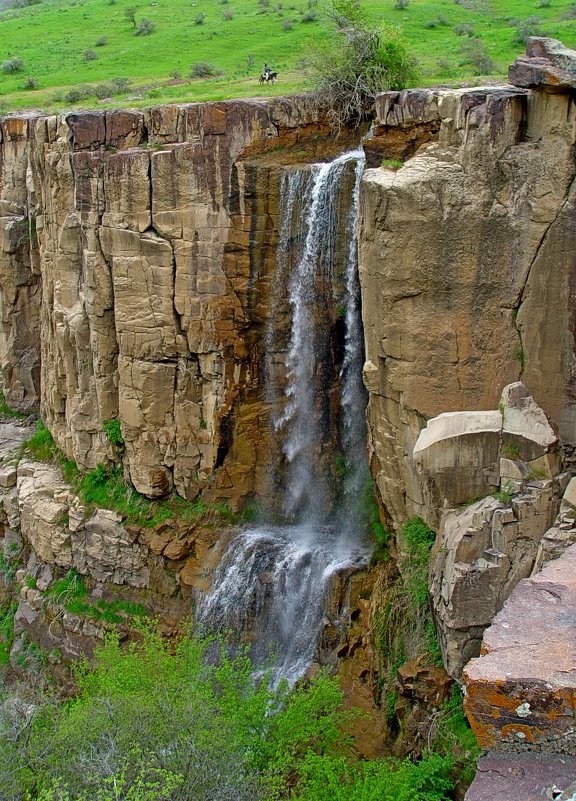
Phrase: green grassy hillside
x=67 y=43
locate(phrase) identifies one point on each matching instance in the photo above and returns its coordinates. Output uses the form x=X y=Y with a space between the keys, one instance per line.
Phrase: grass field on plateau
x=67 y=44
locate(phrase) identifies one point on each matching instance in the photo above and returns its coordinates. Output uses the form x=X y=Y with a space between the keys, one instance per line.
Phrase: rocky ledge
x=521 y=692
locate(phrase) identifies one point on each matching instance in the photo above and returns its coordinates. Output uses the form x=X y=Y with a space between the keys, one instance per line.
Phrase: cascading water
x=273 y=582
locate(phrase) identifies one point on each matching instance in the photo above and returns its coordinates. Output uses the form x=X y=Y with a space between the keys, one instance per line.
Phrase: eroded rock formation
x=150 y=237
x=484 y=547
x=456 y=255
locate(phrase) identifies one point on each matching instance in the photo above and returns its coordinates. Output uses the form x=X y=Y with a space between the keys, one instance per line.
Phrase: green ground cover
x=60 y=43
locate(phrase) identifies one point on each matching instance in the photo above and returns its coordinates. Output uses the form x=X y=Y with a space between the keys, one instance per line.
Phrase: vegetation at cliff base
x=152 y=723
x=7 y=411
x=61 y=53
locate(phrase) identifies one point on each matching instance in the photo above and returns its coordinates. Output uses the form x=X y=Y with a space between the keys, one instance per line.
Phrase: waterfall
x=273 y=582
x=354 y=395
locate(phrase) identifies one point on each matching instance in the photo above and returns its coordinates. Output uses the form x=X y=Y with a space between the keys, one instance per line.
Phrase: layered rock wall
x=138 y=248
x=463 y=253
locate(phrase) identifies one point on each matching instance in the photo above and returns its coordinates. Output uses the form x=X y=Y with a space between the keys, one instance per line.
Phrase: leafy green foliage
x=335 y=779
x=255 y=31
x=41 y=444
x=107 y=489
x=358 y=62
x=376 y=530
x=7 y=567
x=505 y=494
x=402 y=624
x=450 y=733
x=67 y=590
x=152 y=723
x=113 y=431
x=7 y=612
x=14 y=64
x=71 y=593
x=392 y=164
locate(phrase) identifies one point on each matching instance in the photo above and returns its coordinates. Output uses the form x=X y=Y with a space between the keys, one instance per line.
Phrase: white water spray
x=273 y=583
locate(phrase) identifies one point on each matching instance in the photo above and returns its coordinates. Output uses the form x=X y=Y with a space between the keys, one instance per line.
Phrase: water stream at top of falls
x=273 y=582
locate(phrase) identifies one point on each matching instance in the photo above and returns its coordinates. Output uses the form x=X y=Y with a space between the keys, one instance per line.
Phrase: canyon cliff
x=137 y=255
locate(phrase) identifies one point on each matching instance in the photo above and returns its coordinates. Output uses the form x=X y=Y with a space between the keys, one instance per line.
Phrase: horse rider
x=266 y=72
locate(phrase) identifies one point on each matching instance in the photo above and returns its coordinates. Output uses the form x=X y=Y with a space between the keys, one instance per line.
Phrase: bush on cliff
x=357 y=63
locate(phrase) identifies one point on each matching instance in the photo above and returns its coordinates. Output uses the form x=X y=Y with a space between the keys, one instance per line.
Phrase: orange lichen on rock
x=522 y=691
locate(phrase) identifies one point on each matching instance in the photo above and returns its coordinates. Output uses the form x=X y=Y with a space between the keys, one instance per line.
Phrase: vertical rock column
x=19 y=273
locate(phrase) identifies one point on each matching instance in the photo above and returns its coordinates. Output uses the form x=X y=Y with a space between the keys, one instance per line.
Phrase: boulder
x=547 y=65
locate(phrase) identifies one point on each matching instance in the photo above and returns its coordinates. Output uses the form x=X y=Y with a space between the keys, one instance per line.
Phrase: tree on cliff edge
x=358 y=62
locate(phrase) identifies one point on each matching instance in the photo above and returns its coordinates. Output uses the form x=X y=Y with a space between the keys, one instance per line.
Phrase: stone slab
x=522 y=777
x=521 y=693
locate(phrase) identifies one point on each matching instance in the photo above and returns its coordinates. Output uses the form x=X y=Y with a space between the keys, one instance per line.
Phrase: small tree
x=130 y=14
x=355 y=65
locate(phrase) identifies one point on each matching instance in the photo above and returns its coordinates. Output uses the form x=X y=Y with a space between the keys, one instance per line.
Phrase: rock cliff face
x=463 y=253
x=137 y=253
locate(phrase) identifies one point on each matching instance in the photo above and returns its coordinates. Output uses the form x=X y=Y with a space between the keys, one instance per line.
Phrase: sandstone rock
x=177 y=549
x=459 y=454
x=450 y=246
x=429 y=684
x=521 y=692
x=482 y=551
x=459 y=451
x=524 y=423
x=8 y=476
x=547 y=65
x=479 y=556
x=522 y=777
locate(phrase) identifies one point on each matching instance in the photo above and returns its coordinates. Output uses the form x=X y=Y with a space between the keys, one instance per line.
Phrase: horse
x=270 y=79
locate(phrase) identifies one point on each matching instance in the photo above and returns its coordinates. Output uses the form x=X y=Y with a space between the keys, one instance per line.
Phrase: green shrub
x=130 y=15
x=145 y=27
x=334 y=779
x=474 y=52
x=527 y=28
x=392 y=164
x=68 y=590
x=202 y=69
x=90 y=55
x=357 y=63
x=464 y=29
x=11 y=65
x=101 y=42
x=7 y=612
x=113 y=432
x=41 y=444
